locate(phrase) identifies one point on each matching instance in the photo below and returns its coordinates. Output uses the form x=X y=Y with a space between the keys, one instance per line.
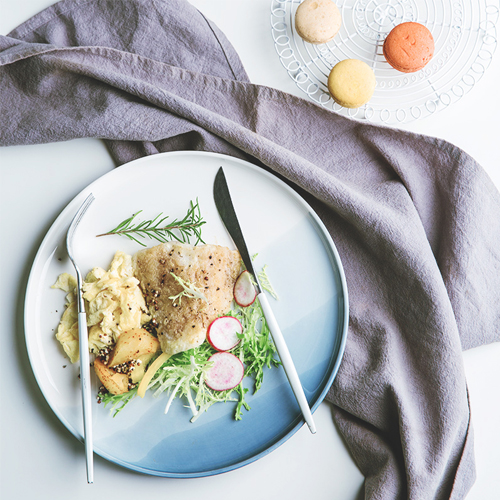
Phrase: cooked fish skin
x=182 y=324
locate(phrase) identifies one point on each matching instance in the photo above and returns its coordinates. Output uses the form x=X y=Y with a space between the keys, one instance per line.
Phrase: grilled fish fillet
x=182 y=323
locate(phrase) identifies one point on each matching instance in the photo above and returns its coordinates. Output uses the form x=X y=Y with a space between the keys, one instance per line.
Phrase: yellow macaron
x=351 y=83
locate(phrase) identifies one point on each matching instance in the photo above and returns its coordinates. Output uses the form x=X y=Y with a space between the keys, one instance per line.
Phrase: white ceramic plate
x=312 y=309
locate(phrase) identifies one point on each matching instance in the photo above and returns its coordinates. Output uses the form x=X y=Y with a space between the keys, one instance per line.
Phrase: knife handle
x=286 y=360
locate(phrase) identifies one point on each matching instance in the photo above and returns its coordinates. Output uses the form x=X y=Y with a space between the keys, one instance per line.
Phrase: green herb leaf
x=189 y=290
x=117 y=401
x=266 y=283
x=181 y=230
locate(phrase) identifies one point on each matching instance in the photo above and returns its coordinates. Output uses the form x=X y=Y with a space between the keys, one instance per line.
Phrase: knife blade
x=224 y=204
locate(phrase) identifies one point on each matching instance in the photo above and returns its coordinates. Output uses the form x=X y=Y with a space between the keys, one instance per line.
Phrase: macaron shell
x=409 y=47
x=317 y=21
x=351 y=83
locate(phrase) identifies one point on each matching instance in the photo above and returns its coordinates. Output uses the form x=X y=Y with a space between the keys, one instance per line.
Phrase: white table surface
x=40 y=458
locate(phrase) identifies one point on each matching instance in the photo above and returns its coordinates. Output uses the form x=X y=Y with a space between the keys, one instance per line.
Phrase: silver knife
x=227 y=213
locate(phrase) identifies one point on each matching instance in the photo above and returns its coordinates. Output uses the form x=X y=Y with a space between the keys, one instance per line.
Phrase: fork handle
x=86 y=394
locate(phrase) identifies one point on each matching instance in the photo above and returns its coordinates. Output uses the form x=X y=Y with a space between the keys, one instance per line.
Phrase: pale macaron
x=317 y=21
x=351 y=83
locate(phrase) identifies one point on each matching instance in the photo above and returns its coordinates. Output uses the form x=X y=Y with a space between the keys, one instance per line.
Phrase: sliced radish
x=223 y=333
x=244 y=291
x=226 y=373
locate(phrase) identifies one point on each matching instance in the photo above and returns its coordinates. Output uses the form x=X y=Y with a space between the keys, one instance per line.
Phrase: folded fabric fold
x=414 y=218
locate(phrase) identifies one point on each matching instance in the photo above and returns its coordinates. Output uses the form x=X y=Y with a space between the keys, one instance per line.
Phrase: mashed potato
x=113 y=301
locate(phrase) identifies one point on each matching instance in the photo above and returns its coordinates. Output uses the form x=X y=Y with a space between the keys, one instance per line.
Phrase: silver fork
x=84 y=343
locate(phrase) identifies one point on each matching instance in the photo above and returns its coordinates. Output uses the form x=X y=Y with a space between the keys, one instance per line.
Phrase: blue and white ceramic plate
x=303 y=266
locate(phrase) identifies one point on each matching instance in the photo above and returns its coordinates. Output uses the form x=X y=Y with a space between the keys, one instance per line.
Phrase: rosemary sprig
x=181 y=230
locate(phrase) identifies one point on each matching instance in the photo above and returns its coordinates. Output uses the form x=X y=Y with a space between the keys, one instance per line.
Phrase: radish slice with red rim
x=244 y=290
x=226 y=373
x=222 y=333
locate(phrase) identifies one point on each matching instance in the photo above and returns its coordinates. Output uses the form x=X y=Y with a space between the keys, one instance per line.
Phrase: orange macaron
x=409 y=47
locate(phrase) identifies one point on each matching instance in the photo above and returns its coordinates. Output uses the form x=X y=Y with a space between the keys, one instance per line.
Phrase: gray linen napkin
x=415 y=219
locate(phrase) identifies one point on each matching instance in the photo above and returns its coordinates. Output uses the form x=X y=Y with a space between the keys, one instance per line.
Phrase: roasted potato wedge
x=115 y=383
x=133 y=344
x=139 y=370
